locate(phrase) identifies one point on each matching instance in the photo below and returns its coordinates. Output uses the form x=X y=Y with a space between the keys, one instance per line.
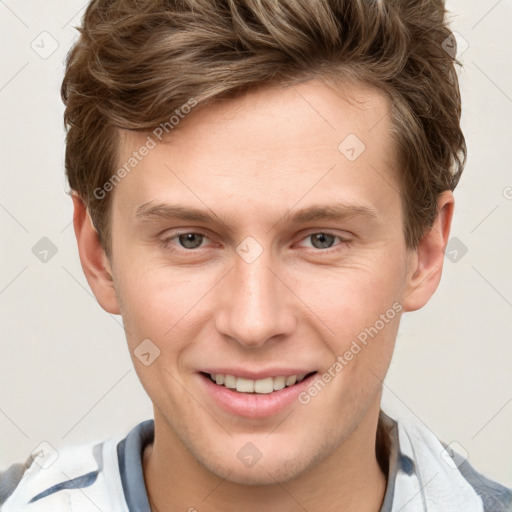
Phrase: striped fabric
x=424 y=475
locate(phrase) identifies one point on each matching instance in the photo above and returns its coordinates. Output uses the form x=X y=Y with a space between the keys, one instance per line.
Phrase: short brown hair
x=139 y=61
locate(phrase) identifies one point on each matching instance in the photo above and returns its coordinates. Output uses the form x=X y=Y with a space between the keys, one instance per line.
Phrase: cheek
x=353 y=297
x=156 y=301
x=357 y=310
x=158 y=305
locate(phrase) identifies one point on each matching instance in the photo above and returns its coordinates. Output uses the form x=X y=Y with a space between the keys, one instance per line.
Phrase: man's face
x=266 y=287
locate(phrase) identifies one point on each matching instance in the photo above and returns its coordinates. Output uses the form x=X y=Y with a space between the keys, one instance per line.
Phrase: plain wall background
x=65 y=373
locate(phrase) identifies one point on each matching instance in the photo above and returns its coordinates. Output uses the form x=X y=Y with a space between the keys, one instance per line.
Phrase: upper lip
x=258 y=374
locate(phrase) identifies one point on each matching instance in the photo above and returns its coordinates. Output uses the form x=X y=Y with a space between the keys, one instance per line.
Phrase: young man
x=261 y=189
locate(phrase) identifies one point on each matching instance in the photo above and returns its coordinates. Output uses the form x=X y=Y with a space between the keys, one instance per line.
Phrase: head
x=318 y=144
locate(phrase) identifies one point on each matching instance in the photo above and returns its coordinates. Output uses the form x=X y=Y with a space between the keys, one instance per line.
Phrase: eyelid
x=325 y=232
x=167 y=239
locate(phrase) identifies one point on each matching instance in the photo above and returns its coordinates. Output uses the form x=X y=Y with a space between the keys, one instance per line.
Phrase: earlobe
x=95 y=263
x=426 y=264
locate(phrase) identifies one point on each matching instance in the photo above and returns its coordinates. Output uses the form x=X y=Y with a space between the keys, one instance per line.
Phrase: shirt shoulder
x=10 y=478
x=431 y=475
x=495 y=496
x=81 y=477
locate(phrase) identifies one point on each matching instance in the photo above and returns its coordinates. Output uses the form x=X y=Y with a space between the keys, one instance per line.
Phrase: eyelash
x=166 y=243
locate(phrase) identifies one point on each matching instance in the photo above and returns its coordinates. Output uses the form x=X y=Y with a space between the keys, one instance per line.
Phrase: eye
x=186 y=240
x=323 y=240
x=192 y=240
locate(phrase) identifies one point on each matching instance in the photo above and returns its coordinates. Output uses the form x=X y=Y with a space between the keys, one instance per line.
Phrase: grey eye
x=190 y=240
x=322 y=240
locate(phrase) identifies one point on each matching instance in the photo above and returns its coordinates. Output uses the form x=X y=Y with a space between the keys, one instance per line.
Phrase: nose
x=254 y=304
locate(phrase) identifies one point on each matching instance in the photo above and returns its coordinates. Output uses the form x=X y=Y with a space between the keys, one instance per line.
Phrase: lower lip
x=254 y=405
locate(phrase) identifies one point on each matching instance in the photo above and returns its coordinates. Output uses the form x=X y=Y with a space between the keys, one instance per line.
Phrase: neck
x=351 y=478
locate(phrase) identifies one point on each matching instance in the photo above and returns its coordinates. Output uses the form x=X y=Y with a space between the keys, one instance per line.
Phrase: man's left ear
x=426 y=262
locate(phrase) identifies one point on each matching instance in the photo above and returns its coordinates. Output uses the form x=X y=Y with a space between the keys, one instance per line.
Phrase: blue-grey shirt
x=402 y=455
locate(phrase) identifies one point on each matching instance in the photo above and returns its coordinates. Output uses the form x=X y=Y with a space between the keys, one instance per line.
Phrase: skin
x=249 y=162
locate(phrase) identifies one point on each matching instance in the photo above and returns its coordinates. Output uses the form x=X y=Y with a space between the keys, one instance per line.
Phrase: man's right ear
x=95 y=263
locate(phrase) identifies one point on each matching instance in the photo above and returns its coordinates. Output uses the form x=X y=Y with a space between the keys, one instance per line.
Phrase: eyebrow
x=150 y=211
x=330 y=212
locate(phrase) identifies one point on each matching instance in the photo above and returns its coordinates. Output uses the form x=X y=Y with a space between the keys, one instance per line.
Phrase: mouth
x=265 y=386
x=262 y=396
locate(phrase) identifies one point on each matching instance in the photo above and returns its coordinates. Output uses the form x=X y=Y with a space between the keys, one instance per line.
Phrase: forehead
x=269 y=147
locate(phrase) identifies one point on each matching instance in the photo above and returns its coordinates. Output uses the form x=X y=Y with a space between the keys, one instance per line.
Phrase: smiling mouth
x=260 y=386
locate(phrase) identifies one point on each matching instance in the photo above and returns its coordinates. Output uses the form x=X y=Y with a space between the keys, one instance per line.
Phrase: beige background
x=65 y=373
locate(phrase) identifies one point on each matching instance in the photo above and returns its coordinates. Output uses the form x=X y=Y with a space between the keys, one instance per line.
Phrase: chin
x=257 y=476
x=256 y=479
x=264 y=472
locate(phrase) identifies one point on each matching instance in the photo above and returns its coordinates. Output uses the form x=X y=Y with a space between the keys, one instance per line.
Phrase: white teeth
x=279 y=383
x=290 y=381
x=244 y=385
x=230 y=381
x=263 y=386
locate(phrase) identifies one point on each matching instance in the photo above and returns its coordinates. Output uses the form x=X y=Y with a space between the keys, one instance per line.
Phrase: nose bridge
x=254 y=304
